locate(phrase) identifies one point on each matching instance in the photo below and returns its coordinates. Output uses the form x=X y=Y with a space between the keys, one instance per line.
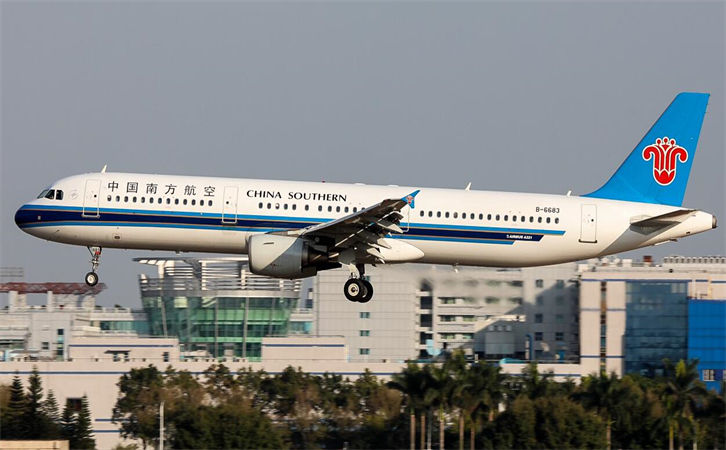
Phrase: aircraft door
x=588 y=230
x=91 y=198
x=229 y=212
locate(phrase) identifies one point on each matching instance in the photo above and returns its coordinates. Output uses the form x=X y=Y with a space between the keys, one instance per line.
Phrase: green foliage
x=14 y=427
x=83 y=432
x=294 y=409
x=37 y=424
x=52 y=413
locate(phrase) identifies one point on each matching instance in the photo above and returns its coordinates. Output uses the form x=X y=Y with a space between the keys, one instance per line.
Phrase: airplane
x=293 y=229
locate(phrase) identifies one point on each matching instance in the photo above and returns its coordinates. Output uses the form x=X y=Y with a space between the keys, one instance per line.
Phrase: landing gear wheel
x=354 y=289
x=91 y=279
x=368 y=295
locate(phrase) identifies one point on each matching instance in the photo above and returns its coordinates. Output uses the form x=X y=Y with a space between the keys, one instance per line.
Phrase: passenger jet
x=295 y=229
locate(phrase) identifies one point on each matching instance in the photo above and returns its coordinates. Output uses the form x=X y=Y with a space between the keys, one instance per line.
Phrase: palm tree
x=440 y=392
x=602 y=393
x=681 y=393
x=534 y=383
x=412 y=383
x=478 y=394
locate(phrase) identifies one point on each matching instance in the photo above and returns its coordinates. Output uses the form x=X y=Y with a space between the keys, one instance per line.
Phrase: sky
x=511 y=96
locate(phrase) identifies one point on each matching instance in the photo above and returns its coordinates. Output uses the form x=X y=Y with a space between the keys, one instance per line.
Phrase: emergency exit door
x=91 y=198
x=588 y=227
x=229 y=211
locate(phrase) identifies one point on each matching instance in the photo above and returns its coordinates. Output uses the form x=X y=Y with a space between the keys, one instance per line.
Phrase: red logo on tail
x=664 y=153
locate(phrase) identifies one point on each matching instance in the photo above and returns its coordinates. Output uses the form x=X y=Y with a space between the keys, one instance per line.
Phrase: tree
x=478 y=394
x=411 y=382
x=37 y=423
x=534 y=383
x=603 y=394
x=137 y=408
x=83 y=435
x=14 y=426
x=68 y=422
x=51 y=411
x=682 y=392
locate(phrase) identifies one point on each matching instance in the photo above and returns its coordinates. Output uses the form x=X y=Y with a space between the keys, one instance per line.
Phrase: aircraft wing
x=363 y=230
x=662 y=220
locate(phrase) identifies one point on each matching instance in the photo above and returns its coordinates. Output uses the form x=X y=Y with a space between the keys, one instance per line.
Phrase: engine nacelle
x=278 y=256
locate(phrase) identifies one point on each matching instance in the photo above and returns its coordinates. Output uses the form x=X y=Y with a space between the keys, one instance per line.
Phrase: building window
x=560 y=284
x=166 y=356
x=74 y=404
x=447 y=335
x=516 y=283
x=538 y=318
x=539 y=283
x=559 y=336
x=46 y=346
x=538 y=336
x=467 y=336
x=447 y=318
x=709 y=374
x=559 y=318
x=448 y=301
x=364 y=351
x=365 y=315
x=560 y=300
x=492 y=300
x=516 y=300
x=468 y=318
x=365 y=333
x=540 y=301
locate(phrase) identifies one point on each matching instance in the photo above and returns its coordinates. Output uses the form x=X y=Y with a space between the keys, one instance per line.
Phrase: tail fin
x=657 y=170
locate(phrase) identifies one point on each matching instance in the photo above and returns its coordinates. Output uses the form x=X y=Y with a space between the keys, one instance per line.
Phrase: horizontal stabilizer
x=662 y=220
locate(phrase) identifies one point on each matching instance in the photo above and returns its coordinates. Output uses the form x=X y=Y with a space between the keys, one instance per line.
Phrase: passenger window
x=185 y=202
x=337 y=209
x=320 y=208
x=456 y=215
x=201 y=202
x=506 y=218
x=346 y=209
x=168 y=201
x=269 y=206
x=59 y=195
x=489 y=217
x=210 y=203
x=294 y=206
x=109 y=198
x=523 y=218
x=118 y=198
x=531 y=219
x=284 y=206
x=151 y=199
x=539 y=220
x=176 y=201
x=134 y=199
x=548 y=220
x=194 y=202
x=422 y=213
x=143 y=199
x=50 y=195
x=438 y=213
x=307 y=207
x=260 y=205
x=126 y=198
x=497 y=217
x=472 y=216
x=160 y=199
x=514 y=218
x=557 y=220
x=446 y=214
x=277 y=206
x=355 y=209
x=330 y=209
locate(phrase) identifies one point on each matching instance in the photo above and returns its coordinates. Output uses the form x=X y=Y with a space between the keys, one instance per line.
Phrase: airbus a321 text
x=295 y=229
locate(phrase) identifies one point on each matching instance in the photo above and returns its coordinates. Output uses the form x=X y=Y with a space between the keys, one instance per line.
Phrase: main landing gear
x=92 y=277
x=358 y=289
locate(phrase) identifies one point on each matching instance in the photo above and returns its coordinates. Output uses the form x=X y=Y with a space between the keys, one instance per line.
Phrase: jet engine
x=279 y=256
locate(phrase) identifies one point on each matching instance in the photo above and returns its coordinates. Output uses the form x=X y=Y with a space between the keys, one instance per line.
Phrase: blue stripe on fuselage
x=28 y=217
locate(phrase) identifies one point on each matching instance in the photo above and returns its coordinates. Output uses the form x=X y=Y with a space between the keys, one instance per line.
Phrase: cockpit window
x=50 y=195
x=59 y=195
x=42 y=194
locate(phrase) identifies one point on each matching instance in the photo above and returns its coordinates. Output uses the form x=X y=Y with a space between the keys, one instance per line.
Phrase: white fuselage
x=204 y=214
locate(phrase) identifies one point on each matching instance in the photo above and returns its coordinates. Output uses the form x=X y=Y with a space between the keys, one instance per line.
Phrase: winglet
x=410 y=198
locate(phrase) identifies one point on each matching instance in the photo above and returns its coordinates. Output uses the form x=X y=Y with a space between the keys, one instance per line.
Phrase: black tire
x=368 y=295
x=354 y=289
x=91 y=279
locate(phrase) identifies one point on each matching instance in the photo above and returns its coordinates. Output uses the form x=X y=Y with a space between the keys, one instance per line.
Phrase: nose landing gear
x=358 y=289
x=92 y=277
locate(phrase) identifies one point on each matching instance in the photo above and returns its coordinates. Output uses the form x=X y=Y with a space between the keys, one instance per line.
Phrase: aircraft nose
x=22 y=216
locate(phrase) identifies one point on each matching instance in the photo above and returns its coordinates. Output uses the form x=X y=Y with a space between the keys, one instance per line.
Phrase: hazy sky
x=538 y=97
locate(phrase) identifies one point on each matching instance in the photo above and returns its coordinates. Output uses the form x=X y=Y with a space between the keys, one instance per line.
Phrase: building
x=647 y=312
x=420 y=311
x=216 y=306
